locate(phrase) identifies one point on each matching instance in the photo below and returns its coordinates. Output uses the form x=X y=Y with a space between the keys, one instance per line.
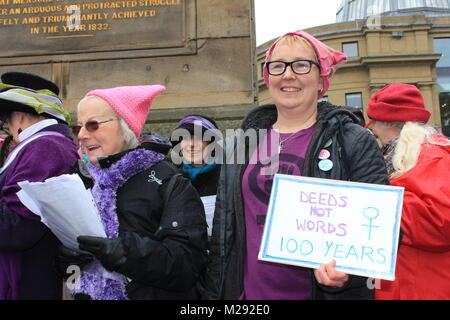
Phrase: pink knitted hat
x=132 y=103
x=329 y=59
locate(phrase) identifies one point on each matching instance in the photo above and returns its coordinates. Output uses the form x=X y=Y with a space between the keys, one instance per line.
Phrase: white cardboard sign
x=312 y=221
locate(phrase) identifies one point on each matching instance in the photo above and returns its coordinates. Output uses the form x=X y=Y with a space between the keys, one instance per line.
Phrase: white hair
x=412 y=136
x=130 y=139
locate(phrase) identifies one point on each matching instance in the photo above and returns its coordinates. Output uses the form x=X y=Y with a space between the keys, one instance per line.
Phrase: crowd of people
x=182 y=221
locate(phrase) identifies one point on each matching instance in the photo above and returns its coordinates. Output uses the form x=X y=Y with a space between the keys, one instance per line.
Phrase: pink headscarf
x=329 y=59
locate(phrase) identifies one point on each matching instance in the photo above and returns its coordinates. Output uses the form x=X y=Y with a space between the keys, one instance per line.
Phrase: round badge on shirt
x=325 y=165
x=324 y=154
x=328 y=143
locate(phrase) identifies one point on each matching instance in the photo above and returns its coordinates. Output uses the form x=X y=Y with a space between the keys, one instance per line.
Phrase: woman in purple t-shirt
x=308 y=138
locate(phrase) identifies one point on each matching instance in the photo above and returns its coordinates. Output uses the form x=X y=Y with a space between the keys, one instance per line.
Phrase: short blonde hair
x=293 y=39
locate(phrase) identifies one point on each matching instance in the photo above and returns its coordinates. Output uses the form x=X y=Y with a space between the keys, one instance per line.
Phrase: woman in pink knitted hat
x=153 y=217
x=417 y=159
x=307 y=137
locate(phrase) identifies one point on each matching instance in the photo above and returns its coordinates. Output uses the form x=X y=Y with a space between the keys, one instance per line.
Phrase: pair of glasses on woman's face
x=91 y=126
x=301 y=66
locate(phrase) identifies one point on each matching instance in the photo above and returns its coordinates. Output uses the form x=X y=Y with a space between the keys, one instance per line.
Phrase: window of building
x=442 y=46
x=352 y=10
x=377 y=6
x=437 y=3
x=405 y=4
x=354 y=99
x=350 y=49
x=444 y=101
x=359 y=10
x=340 y=13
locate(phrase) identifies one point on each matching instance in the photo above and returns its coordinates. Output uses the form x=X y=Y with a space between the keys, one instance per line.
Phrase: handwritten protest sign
x=313 y=221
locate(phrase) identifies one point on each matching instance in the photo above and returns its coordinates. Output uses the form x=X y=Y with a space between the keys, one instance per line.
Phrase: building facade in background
x=387 y=41
x=203 y=51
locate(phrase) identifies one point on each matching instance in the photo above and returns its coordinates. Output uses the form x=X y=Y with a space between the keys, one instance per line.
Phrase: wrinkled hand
x=68 y=257
x=327 y=275
x=110 y=251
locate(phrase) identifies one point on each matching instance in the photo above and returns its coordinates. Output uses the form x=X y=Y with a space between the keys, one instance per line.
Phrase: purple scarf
x=95 y=280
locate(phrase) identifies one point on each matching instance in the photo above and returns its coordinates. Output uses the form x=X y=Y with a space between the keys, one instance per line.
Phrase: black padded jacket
x=163 y=230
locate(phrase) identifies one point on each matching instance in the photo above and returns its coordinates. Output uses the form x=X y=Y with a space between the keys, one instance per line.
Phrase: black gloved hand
x=110 y=251
x=68 y=257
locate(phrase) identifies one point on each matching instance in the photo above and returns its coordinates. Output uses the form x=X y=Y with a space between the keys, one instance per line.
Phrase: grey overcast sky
x=274 y=18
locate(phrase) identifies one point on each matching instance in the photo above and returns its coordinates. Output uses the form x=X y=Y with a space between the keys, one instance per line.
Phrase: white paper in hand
x=209 y=203
x=65 y=206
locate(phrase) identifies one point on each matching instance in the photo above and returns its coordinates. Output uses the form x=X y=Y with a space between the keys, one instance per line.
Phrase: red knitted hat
x=398 y=102
x=132 y=103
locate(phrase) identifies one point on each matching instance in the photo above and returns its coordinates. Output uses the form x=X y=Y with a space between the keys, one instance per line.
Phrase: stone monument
x=203 y=51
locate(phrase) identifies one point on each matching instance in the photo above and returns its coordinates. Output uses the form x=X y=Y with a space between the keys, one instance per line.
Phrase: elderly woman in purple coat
x=33 y=115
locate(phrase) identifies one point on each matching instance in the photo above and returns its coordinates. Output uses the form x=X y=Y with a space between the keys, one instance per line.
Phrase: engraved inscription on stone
x=37 y=27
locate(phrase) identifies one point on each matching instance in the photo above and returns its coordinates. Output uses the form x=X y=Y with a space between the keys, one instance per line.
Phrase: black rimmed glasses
x=91 y=125
x=301 y=66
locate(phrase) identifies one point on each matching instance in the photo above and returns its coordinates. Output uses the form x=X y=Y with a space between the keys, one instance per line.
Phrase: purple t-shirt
x=266 y=280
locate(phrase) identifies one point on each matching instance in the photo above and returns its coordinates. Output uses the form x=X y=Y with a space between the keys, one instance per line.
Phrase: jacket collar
x=108 y=161
x=264 y=116
x=28 y=132
x=61 y=128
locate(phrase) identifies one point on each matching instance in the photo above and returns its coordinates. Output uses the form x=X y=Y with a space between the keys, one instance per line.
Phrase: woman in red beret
x=417 y=159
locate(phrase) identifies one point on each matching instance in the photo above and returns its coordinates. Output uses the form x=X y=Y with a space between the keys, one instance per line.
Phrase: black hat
x=153 y=141
x=29 y=80
x=48 y=104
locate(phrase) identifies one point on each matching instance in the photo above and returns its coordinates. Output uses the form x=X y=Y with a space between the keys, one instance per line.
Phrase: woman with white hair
x=418 y=159
x=153 y=218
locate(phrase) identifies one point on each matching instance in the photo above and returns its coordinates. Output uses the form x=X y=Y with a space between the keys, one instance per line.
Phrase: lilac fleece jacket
x=27 y=247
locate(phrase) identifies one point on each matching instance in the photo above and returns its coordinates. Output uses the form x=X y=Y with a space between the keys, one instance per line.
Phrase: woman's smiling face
x=108 y=138
x=290 y=90
x=193 y=150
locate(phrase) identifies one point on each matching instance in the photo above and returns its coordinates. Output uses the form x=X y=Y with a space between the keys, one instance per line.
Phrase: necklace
x=281 y=143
